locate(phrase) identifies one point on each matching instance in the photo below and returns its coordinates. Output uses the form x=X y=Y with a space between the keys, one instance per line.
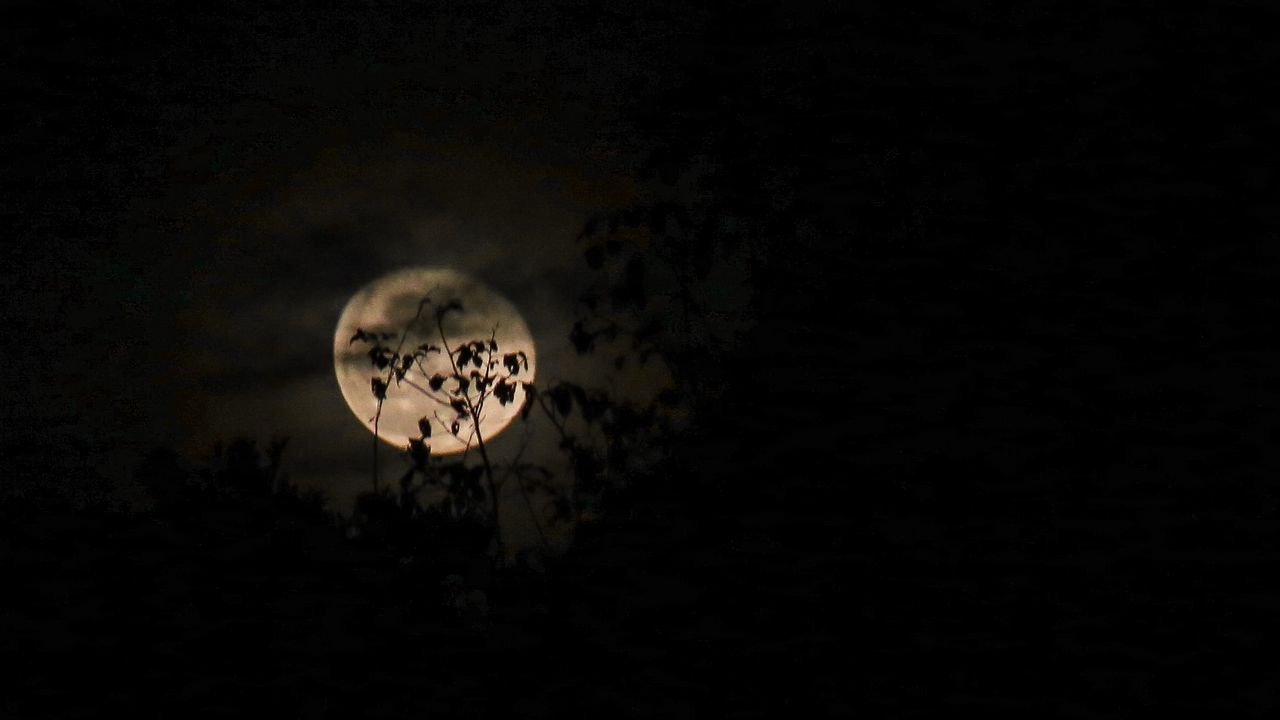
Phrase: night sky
x=967 y=317
x=223 y=195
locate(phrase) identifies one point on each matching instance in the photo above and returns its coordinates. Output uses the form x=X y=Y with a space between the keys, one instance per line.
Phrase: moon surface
x=386 y=309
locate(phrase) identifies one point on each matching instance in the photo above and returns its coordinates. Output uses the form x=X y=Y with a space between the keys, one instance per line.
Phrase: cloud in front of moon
x=386 y=308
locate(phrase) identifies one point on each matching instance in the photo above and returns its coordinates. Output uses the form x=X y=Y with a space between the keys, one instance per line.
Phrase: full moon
x=445 y=348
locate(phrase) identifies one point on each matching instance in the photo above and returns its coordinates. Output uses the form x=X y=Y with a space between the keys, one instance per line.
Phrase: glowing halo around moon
x=388 y=306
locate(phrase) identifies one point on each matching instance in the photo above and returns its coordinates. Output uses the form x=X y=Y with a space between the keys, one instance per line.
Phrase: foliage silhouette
x=609 y=438
x=478 y=372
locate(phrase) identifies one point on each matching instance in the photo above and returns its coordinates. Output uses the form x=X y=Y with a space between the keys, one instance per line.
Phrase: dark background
x=998 y=439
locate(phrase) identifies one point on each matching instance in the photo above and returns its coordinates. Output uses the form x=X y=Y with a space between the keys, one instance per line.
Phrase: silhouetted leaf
x=493 y=345
x=530 y=395
x=511 y=362
x=562 y=399
x=454 y=427
x=379 y=388
x=436 y=381
x=590 y=408
x=418 y=452
x=505 y=392
x=459 y=405
x=424 y=426
x=582 y=340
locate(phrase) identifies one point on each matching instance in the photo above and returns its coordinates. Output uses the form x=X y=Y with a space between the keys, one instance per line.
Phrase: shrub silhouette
x=480 y=373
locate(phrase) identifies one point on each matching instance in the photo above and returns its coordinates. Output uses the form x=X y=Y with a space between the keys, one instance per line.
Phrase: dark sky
x=196 y=197
x=193 y=196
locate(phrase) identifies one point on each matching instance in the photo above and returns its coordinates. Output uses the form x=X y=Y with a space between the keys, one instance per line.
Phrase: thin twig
x=484 y=455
